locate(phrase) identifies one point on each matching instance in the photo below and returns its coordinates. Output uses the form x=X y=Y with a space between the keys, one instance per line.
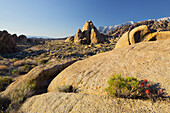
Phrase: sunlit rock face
x=88 y=35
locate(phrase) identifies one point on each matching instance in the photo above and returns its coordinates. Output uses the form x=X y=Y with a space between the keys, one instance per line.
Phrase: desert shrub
x=14 y=71
x=26 y=66
x=49 y=62
x=15 y=99
x=123 y=87
x=15 y=59
x=130 y=87
x=19 y=63
x=33 y=65
x=4 y=82
x=42 y=61
x=3 y=67
x=67 y=89
x=43 y=55
x=22 y=69
x=1 y=58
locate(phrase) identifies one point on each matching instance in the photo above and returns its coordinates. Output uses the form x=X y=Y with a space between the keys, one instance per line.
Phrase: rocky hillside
x=152 y=25
x=109 y=29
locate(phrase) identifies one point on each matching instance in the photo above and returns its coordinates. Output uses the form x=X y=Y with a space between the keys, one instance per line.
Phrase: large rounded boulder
x=40 y=76
x=150 y=60
x=82 y=103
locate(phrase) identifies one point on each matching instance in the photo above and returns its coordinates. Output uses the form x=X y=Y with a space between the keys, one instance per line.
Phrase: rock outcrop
x=96 y=37
x=78 y=39
x=82 y=103
x=141 y=34
x=7 y=43
x=70 y=39
x=148 y=60
x=144 y=60
x=138 y=34
x=41 y=75
x=22 y=39
x=89 y=34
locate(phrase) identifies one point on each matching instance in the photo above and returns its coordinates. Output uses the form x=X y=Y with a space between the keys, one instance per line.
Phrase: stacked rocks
x=89 y=34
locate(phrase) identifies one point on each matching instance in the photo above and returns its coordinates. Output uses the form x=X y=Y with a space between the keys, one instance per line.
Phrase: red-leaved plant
x=151 y=91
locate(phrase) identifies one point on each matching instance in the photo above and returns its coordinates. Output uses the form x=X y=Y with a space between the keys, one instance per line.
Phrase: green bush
x=130 y=87
x=14 y=72
x=123 y=87
x=26 y=66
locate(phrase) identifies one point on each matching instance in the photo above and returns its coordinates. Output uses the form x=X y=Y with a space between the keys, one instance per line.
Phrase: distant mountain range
x=108 y=29
x=45 y=37
x=161 y=19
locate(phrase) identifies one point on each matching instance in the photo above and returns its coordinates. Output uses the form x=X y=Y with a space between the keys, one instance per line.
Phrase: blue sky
x=61 y=18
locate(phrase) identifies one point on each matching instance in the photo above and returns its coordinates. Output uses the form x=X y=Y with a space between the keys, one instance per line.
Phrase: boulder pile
x=7 y=43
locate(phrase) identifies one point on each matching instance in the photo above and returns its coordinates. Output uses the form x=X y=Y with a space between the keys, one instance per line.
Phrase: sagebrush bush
x=123 y=87
x=130 y=87
x=4 y=82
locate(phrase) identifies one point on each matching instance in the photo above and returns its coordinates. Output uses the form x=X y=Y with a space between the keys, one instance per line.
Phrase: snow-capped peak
x=161 y=19
x=108 y=29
